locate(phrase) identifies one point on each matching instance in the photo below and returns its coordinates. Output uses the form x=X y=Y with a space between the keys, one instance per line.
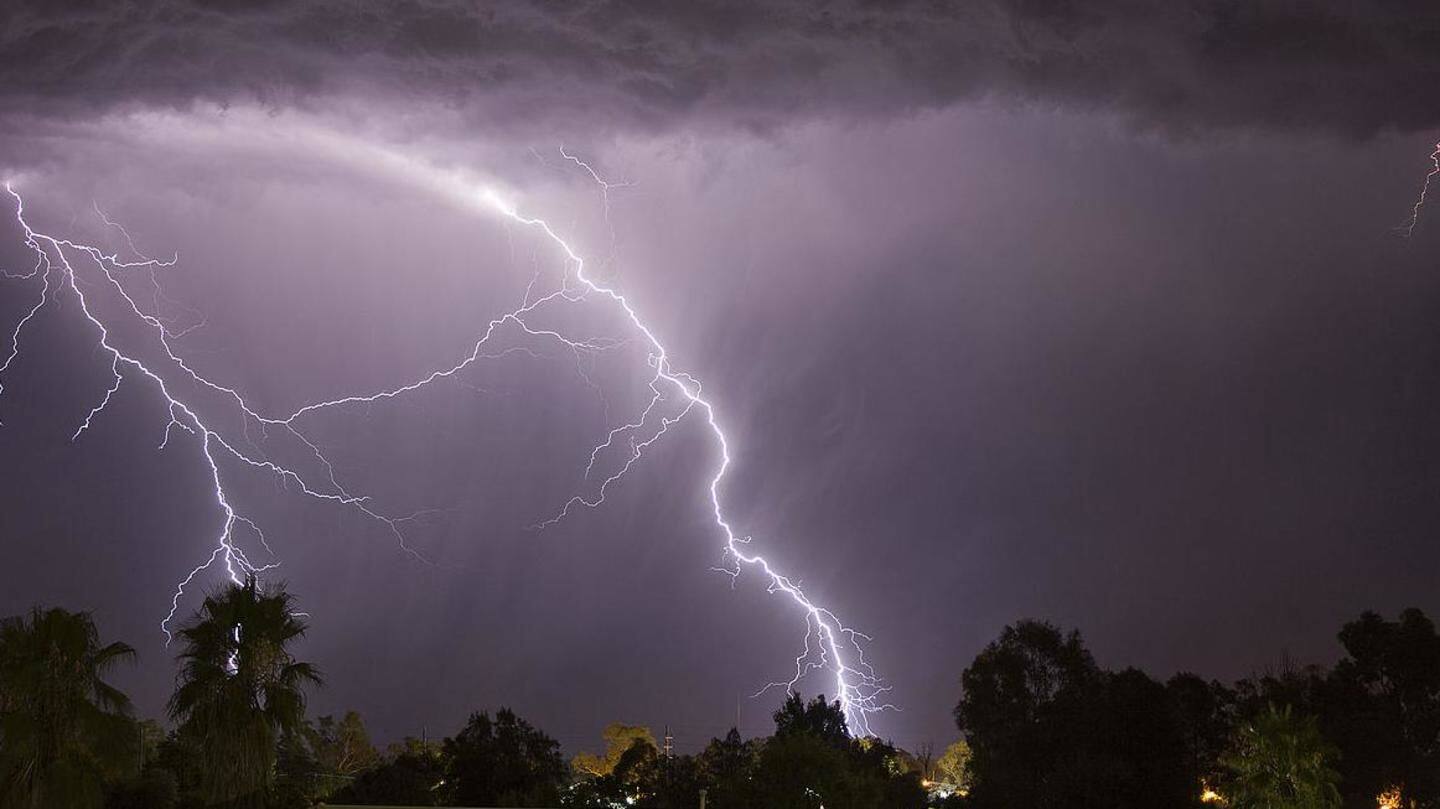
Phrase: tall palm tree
x=240 y=689
x=62 y=727
x=1280 y=761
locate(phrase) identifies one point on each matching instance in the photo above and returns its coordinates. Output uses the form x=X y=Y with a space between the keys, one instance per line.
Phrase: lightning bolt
x=840 y=648
x=59 y=275
x=828 y=644
x=1408 y=227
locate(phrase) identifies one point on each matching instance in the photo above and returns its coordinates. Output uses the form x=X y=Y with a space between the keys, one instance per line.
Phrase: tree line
x=1048 y=727
x=1041 y=724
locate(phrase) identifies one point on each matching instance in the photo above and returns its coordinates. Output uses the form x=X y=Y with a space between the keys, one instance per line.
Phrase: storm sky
x=1093 y=312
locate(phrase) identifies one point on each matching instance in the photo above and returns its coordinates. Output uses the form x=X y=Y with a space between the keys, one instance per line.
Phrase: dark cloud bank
x=1352 y=68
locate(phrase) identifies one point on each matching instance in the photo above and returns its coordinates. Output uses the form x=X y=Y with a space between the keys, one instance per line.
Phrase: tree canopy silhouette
x=62 y=727
x=503 y=761
x=240 y=688
x=823 y=720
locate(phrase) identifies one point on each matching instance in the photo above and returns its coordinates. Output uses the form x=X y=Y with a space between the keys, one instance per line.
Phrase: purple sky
x=1091 y=312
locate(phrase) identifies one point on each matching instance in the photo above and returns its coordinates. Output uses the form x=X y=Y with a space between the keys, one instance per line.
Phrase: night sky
x=1088 y=311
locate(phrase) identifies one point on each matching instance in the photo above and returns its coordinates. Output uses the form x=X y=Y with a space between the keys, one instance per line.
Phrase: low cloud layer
x=1333 y=66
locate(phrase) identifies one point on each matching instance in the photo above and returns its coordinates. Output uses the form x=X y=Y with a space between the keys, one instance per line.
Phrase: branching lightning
x=673 y=395
x=1409 y=227
x=57 y=273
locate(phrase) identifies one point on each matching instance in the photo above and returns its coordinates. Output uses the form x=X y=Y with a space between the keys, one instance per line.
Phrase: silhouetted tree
x=411 y=778
x=1047 y=728
x=1381 y=706
x=63 y=729
x=503 y=762
x=726 y=766
x=155 y=788
x=240 y=689
x=811 y=761
x=299 y=775
x=179 y=755
x=414 y=746
x=1206 y=711
x=1286 y=684
x=673 y=782
x=804 y=771
x=1123 y=746
x=1012 y=696
x=150 y=785
x=894 y=770
x=822 y=720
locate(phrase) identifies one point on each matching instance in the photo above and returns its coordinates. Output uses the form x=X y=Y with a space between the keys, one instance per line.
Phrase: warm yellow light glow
x=1208 y=795
x=1389 y=799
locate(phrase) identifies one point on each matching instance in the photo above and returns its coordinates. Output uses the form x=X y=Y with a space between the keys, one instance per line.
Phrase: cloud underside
x=1349 y=68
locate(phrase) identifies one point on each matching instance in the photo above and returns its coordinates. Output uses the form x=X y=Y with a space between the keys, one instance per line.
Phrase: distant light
x=1389 y=799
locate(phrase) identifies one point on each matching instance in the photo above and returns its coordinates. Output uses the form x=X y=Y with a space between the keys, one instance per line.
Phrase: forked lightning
x=66 y=268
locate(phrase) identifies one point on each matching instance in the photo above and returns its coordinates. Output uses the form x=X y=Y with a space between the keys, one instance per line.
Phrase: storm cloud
x=1350 y=68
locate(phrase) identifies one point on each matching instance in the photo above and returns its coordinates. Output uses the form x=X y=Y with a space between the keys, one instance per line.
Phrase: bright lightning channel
x=1409 y=227
x=829 y=645
x=58 y=275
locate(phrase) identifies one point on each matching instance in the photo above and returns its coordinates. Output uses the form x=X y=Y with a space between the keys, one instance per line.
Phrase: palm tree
x=62 y=727
x=240 y=690
x=1280 y=761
